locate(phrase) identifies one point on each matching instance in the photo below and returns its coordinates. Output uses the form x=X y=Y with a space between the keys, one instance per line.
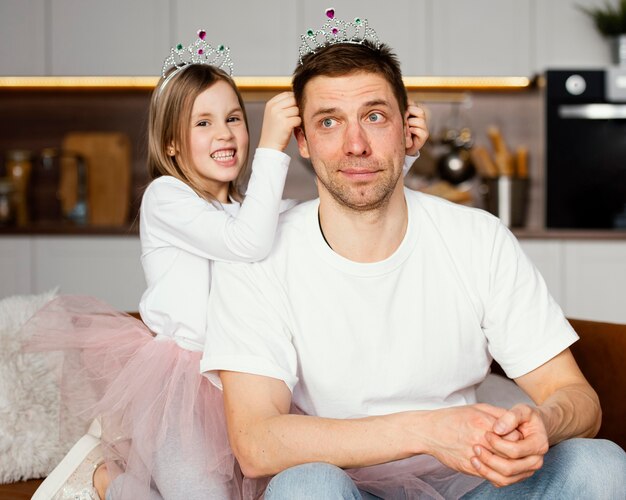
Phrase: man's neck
x=364 y=236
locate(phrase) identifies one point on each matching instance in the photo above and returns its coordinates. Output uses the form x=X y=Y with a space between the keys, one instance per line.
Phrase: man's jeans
x=577 y=468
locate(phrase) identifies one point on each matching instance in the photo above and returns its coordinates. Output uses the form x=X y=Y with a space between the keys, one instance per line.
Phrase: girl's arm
x=419 y=135
x=176 y=216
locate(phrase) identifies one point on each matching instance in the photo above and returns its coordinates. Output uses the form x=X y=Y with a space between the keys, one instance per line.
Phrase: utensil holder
x=507 y=198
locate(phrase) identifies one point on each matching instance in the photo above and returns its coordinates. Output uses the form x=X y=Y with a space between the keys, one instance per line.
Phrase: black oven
x=586 y=149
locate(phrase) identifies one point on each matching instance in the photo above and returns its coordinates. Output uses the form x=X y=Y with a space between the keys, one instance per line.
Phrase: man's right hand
x=280 y=118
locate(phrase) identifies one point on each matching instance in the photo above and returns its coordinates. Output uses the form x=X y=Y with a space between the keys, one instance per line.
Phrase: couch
x=600 y=353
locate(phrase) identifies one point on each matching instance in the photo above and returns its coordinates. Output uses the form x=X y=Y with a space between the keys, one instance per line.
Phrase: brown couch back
x=601 y=355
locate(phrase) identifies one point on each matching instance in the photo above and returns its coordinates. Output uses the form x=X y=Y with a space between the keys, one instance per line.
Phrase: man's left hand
x=511 y=461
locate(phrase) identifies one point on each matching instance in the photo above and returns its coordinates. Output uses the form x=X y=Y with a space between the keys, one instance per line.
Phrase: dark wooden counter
x=67 y=229
x=132 y=229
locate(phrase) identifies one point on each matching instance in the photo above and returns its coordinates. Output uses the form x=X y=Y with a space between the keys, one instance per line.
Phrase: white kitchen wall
x=431 y=37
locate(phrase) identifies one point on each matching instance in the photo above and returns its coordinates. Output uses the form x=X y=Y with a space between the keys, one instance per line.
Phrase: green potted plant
x=610 y=21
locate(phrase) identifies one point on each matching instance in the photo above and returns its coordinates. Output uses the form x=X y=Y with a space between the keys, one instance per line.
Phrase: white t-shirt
x=181 y=234
x=415 y=331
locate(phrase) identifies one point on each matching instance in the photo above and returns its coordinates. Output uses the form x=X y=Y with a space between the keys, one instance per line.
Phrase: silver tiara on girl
x=198 y=52
x=335 y=31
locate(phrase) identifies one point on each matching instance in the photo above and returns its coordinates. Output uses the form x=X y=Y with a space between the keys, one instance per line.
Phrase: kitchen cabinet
x=431 y=37
x=566 y=37
x=547 y=258
x=107 y=267
x=116 y=37
x=15 y=266
x=596 y=280
x=262 y=36
x=23 y=49
x=587 y=278
x=482 y=37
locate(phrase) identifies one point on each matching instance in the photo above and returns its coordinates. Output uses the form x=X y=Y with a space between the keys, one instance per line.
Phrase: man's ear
x=303 y=146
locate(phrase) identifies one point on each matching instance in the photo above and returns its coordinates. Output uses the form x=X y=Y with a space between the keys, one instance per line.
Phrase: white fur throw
x=30 y=446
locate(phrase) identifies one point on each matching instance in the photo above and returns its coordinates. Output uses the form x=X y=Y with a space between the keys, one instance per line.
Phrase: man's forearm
x=283 y=441
x=572 y=411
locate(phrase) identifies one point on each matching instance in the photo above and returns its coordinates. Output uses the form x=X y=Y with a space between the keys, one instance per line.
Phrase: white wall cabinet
x=547 y=258
x=566 y=37
x=106 y=267
x=481 y=37
x=261 y=35
x=596 y=280
x=116 y=37
x=586 y=278
x=15 y=266
x=22 y=38
x=431 y=37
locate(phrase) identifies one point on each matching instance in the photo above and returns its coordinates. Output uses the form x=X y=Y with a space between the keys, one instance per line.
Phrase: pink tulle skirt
x=159 y=415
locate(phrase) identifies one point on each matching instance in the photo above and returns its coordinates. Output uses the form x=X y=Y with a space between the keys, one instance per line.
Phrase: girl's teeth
x=223 y=155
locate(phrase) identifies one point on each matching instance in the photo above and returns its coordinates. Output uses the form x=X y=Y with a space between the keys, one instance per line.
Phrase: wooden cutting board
x=108 y=158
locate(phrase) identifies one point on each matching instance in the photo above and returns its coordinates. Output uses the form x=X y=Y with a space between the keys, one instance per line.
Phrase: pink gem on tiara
x=330 y=13
x=335 y=31
x=201 y=34
x=200 y=51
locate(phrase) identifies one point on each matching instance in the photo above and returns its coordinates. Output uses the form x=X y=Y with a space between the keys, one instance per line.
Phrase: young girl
x=162 y=429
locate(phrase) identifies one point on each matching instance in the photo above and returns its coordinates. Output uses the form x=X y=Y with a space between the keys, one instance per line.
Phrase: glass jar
x=19 y=167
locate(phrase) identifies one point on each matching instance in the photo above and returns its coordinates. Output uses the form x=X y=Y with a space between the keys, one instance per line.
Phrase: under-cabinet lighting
x=257 y=83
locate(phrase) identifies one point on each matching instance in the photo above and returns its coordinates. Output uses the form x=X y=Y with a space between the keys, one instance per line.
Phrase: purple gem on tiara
x=201 y=34
x=200 y=52
x=334 y=31
x=330 y=13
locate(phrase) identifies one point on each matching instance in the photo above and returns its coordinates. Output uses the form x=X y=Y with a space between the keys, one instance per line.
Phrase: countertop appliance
x=586 y=149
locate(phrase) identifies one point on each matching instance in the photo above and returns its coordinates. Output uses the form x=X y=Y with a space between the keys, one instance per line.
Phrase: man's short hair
x=346 y=58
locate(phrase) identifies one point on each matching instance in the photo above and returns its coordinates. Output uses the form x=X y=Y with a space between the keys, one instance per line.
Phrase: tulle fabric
x=420 y=477
x=142 y=388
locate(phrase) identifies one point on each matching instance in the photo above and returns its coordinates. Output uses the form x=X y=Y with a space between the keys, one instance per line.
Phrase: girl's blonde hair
x=169 y=123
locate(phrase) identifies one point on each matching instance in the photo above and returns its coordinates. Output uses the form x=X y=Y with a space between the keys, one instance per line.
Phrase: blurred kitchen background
x=526 y=106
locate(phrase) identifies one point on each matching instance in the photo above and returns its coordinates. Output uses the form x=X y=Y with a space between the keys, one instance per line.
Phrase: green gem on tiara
x=179 y=46
x=220 y=48
x=357 y=20
x=310 y=33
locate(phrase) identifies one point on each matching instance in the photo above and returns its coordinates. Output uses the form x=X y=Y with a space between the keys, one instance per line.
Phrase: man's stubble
x=365 y=196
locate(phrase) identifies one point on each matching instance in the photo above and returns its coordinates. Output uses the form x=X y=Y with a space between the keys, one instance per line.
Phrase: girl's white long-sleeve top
x=182 y=234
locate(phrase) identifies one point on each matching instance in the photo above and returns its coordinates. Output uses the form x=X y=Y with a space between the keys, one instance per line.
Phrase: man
x=377 y=314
